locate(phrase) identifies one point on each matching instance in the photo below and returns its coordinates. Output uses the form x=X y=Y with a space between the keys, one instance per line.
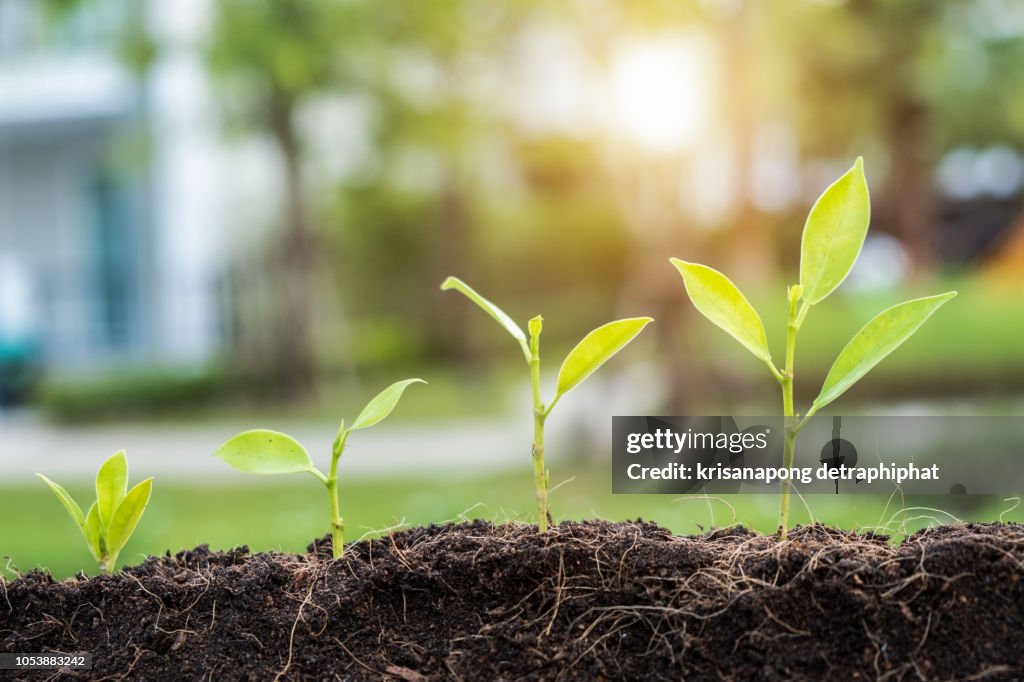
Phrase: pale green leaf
x=494 y=311
x=111 y=484
x=879 y=337
x=127 y=515
x=597 y=348
x=94 y=532
x=719 y=300
x=261 y=451
x=65 y=498
x=383 y=404
x=834 y=234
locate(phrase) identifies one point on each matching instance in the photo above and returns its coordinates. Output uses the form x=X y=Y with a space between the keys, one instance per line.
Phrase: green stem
x=337 y=526
x=551 y=405
x=105 y=561
x=540 y=474
x=807 y=418
x=788 y=447
x=792 y=429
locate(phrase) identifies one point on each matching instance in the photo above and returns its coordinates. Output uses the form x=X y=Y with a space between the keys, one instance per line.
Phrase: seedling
x=112 y=518
x=270 y=452
x=594 y=350
x=832 y=240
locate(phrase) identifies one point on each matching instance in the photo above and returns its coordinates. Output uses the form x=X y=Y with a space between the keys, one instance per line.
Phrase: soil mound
x=591 y=600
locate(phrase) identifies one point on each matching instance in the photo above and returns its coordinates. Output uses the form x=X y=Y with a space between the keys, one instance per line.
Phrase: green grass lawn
x=35 y=531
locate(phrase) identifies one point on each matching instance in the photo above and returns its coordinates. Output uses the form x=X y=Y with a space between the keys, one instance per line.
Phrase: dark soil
x=586 y=601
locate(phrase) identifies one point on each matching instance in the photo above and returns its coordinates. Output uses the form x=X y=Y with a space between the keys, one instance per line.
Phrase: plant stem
x=337 y=526
x=789 y=442
x=540 y=475
x=105 y=561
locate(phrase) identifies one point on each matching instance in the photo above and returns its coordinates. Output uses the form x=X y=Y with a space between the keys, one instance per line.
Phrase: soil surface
x=590 y=600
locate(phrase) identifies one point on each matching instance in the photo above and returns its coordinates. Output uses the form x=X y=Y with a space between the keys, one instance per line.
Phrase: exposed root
x=291 y=636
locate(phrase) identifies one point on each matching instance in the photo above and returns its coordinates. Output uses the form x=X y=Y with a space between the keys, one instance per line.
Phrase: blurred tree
x=438 y=120
x=860 y=71
x=975 y=78
x=646 y=182
x=271 y=59
x=748 y=68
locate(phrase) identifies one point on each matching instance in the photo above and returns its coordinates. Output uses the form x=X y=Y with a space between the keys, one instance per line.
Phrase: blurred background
x=225 y=214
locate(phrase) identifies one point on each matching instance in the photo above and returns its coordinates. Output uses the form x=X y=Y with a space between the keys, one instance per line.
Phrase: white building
x=112 y=192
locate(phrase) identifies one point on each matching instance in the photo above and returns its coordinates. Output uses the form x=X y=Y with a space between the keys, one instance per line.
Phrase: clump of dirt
x=590 y=600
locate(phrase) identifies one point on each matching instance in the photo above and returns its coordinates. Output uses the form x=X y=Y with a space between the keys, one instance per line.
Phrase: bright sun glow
x=661 y=91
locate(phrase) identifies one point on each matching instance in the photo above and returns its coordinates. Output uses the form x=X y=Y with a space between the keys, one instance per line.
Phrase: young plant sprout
x=832 y=239
x=594 y=350
x=112 y=518
x=269 y=452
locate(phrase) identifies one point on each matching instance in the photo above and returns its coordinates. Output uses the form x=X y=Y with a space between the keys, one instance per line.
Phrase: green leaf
x=261 y=451
x=93 y=532
x=879 y=337
x=111 y=484
x=65 y=498
x=123 y=523
x=382 y=405
x=494 y=311
x=719 y=300
x=834 y=234
x=597 y=348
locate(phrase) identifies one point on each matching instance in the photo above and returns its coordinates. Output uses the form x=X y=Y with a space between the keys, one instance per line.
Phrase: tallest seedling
x=832 y=240
x=594 y=350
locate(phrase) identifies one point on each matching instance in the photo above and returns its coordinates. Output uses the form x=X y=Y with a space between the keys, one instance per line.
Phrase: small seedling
x=594 y=350
x=832 y=239
x=112 y=518
x=270 y=452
